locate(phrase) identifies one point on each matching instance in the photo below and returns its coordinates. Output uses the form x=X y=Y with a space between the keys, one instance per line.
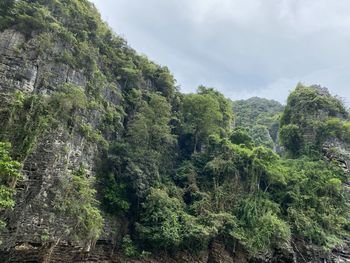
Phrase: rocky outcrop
x=36 y=230
x=337 y=151
x=32 y=71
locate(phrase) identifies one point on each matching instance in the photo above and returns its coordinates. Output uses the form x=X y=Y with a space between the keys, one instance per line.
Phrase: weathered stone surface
x=27 y=70
x=218 y=254
x=35 y=231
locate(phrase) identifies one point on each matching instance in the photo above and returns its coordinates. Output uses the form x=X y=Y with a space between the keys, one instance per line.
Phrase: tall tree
x=201 y=117
x=149 y=142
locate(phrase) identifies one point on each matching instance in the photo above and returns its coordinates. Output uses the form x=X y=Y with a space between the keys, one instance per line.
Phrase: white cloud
x=242 y=47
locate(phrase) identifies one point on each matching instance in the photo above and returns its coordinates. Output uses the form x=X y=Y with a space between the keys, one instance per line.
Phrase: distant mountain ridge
x=261 y=117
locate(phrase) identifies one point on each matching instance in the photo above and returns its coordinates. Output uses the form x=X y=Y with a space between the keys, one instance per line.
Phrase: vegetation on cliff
x=9 y=174
x=174 y=164
x=261 y=119
x=311 y=117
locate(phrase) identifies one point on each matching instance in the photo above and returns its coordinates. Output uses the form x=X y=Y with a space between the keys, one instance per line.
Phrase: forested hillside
x=260 y=118
x=103 y=159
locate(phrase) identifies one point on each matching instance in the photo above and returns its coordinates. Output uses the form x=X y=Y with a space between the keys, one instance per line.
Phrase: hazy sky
x=243 y=48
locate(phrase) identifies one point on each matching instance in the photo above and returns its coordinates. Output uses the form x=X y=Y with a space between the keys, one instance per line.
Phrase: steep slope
x=261 y=118
x=312 y=118
x=316 y=124
x=62 y=75
x=118 y=166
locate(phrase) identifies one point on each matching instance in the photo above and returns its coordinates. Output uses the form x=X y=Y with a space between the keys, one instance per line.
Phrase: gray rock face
x=35 y=228
x=15 y=71
x=29 y=71
x=36 y=231
x=339 y=152
x=35 y=218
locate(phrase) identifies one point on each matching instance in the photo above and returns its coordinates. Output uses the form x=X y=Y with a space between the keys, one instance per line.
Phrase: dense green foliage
x=79 y=203
x=174 y=164
x=29 y=118
x=110 y=64
x=90 y=44
x=202 y=114
x=261 y=118
x=317 y=206
x=311 y=117
x=240 y=136
x=291 y=138
x=201 y=117
x=9 y=174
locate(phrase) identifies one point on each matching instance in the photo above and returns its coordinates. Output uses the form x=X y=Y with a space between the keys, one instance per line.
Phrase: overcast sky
x=243 y=48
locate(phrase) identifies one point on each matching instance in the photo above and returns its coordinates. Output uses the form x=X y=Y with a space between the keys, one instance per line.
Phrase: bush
x=80 y=205
x=129 y=248
x=291 y=139
x=160 y=222
x=9 y=174
x=240 y=136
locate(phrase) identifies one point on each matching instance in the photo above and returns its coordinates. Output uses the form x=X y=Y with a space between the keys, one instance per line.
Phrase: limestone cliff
x=36 y=231
x=66 y=92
